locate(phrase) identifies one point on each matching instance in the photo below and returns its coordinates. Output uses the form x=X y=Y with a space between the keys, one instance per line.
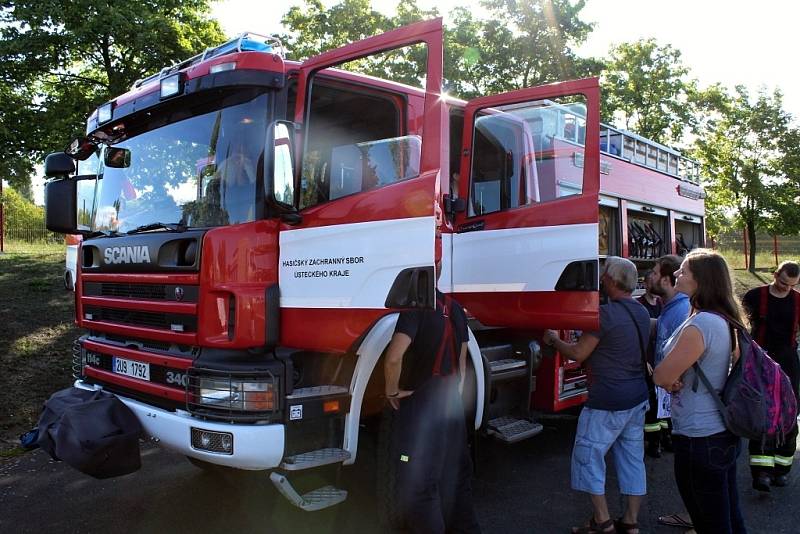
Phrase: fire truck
x=255 y=225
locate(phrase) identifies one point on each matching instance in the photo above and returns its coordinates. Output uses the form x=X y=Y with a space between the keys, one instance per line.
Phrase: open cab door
x=524 y=252
x=364 y=241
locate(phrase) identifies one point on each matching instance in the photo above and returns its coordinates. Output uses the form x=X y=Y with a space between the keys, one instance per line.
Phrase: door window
x=352 y=140
x=527 y=153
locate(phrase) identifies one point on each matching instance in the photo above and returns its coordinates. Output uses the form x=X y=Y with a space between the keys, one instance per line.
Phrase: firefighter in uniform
x=430 y=439
x=774 y=313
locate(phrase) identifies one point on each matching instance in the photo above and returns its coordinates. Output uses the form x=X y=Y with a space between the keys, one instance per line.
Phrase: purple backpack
x=757 y=401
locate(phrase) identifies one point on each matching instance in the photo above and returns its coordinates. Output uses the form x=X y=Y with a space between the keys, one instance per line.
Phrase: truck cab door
x=365 y=243
x=524 y=253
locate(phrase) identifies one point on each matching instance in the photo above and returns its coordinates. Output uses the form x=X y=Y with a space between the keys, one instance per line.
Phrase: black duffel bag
x=92 y=431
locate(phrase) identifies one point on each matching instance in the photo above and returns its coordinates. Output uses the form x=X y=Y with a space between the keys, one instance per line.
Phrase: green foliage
x=520 y=45
x=62 y=58
x=19 y=211
x=746 y=153
x=646 y=86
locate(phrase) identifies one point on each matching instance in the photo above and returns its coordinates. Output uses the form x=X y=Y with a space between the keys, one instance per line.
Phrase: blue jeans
x=705 y=470
x=620 y=431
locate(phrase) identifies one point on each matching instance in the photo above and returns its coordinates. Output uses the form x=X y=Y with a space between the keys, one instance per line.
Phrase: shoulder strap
x=763 y=305
x=448 y=336
x=717 y=398
x=733 y=327
x=793 y=341
x=638 y=334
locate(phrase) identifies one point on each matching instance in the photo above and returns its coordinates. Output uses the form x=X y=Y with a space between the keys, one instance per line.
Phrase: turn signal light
x=330 y=406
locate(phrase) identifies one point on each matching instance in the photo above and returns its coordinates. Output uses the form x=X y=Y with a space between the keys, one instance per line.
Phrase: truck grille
x=141 y=291
x=166 y=321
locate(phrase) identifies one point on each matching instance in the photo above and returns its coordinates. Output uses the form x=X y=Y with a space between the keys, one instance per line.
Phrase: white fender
x=369 y=352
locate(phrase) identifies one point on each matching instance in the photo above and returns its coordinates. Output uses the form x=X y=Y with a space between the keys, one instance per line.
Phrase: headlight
x=248 y=395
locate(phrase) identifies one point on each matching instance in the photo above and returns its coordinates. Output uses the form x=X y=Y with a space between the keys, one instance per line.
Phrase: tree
x=645 y=85
x=744 y=156
x=521 y=44
x=62 y=58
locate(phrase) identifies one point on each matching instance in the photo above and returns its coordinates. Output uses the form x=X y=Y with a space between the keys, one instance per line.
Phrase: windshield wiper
x=104 y=233
x=172 y=227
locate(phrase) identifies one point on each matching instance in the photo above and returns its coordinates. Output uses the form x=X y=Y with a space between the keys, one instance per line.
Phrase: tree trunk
x=751 y=236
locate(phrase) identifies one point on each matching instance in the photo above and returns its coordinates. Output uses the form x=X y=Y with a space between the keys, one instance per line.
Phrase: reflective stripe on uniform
x=783 y=460
x=663 y=424
x=762 y=461
x=652 y=427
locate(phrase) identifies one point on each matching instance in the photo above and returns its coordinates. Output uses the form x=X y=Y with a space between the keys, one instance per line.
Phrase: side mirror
x=283 y=163
x=117 y=158
x=81 y=148
x=58 y=165
x=68 y=204
x=60 y=205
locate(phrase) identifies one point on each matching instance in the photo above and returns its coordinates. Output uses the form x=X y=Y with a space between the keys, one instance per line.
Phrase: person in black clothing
x=650 y=300
x=652 y=426
x=430 y=447
x=774 y=313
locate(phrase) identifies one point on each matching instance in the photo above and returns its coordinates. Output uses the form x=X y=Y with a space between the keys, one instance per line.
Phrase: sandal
x=675 y=520
x=593 y=527
x=625 y=528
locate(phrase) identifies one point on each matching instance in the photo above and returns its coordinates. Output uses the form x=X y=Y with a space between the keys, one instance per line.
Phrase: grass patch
x=765 y=260
x=34 y=247
x=36 y=334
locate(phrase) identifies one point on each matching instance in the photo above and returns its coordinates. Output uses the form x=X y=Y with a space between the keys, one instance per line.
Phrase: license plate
x=131 y=368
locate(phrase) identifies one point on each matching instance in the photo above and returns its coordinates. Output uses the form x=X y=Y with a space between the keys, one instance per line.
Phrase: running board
x=512 y=429
x=314 y=500
x=312 y=459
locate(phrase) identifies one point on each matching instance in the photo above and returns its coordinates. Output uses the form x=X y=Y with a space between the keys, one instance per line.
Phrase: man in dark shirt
x=774 y=312
x=613 y=417
x=652 y=303
x=650 y=300
x=423 y=384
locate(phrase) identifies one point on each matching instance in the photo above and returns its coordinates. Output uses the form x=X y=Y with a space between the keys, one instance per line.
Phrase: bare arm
x=579 y=351
x=687 y=350
x=462 y=367
x=392 y=366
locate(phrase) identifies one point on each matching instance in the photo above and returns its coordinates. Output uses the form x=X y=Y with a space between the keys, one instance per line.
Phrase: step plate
x=512 y=429
x=499 y=366
x=311 y=459
x=314 y=500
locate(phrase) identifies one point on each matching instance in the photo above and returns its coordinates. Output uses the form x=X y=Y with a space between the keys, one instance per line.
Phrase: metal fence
x=770 y=249
x=18 y=238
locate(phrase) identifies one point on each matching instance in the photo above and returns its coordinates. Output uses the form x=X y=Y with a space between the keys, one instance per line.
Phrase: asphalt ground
x=521 y=488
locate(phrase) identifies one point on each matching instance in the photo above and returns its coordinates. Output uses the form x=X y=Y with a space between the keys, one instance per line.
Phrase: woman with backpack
x=705 y=451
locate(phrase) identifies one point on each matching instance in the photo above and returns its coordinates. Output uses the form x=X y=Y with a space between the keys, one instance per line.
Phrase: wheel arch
x=369 y=354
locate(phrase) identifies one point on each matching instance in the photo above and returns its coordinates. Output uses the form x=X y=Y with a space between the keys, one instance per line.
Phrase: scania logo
x=179 y=293
x=137 y=254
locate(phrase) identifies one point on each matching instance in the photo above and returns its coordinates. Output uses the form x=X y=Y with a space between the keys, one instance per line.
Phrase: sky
x=731 y=42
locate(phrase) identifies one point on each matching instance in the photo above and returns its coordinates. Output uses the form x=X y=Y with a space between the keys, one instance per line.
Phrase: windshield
x=199 y=171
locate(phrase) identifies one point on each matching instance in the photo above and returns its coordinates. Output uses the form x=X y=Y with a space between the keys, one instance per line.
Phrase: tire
x=389 y=511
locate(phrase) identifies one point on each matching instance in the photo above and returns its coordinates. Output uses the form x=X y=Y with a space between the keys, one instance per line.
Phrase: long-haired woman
x=705 y=451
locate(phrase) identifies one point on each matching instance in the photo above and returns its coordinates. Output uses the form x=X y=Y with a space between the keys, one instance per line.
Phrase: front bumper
x=255 y=447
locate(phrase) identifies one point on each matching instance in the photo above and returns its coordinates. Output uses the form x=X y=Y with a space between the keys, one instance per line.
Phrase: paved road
x=523 y=488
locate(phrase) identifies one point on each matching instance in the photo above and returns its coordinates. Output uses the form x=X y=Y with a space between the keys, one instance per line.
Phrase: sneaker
x=780 y=481
x=762 y=482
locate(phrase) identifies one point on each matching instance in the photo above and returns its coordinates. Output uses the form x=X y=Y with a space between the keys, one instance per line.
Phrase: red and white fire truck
x=256 y=224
